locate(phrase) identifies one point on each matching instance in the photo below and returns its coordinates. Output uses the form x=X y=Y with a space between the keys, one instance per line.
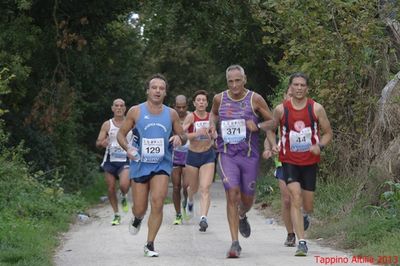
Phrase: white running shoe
x=134 y=226
x=149 y=253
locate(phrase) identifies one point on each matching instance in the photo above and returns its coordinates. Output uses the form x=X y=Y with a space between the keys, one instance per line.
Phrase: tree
x=70 y=59
x=345 y=48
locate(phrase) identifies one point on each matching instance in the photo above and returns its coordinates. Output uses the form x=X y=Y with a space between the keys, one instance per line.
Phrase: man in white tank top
x=115 y=163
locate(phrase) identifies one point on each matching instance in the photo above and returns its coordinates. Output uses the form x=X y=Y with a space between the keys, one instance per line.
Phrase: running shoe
x=306 y=221
x=116 y=220
x=124 y=203
x=244 y=227
x=290 y=240
x=149 y=251
x=301 y=249
x=190 y=210
x=203 y=224
x=134 y=225
x=234 y=251
x=178 y=219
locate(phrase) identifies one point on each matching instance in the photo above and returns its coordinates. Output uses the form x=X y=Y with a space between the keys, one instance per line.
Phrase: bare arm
x=214 y=113
x=277 y=115
x=260 y=106
x=271 y=137
x=180 y=136
x=325 y=128
x=324 y=124
x=102 y=138
x=186 y=124
x=129 y=123
x=189 y=119
x=270 y=146
x=274 y=123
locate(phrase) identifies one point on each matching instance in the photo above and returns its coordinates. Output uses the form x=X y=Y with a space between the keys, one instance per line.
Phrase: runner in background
x=179 y=161
x=200 y=162
x=301 y=120
x=115 y=163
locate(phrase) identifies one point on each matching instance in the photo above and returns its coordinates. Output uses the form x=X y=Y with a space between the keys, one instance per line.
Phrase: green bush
x=267 y=190
x=31 y=213
x=332 y=195
x=346 y=216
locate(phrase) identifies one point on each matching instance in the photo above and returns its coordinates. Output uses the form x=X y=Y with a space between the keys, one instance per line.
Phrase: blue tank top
x=152 y=133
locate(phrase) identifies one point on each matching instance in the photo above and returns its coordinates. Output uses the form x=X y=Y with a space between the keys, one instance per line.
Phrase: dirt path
x=98 y=243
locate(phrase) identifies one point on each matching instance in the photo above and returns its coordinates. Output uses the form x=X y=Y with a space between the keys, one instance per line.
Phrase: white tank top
x=116 y=152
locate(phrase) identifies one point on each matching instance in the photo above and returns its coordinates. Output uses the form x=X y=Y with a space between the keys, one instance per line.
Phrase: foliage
x=267 y=188
x=63 y=62
x=31 y=212
x=194 y=42
x=345 y=49
x=4 y=80
x=344 y=217
x=389 y=206
x=69 y=61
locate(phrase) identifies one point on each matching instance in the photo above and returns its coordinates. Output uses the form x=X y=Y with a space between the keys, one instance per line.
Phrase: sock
x=137 y=221
x=304 y=212
x=203 y=217
x=302 y=240
x=150 y=245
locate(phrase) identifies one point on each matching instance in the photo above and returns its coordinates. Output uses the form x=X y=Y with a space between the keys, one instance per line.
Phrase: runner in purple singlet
x=237 y=111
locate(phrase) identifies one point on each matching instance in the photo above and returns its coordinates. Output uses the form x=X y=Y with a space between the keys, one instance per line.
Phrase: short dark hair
x=155 y=76
x=298 y=75
x=200 y=92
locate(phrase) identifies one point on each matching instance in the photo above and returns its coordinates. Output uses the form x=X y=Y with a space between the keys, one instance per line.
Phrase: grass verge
x=32 y=214
x=345 y=217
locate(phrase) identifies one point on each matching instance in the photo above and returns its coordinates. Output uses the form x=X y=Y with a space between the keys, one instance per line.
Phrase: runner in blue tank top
x=237 y=110
x=151 y=155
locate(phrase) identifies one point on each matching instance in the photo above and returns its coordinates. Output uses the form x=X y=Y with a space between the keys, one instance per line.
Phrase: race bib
x=117 y=154
x=152 y=150
x=199 y=125
x=300 y=141
x=233 y=131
